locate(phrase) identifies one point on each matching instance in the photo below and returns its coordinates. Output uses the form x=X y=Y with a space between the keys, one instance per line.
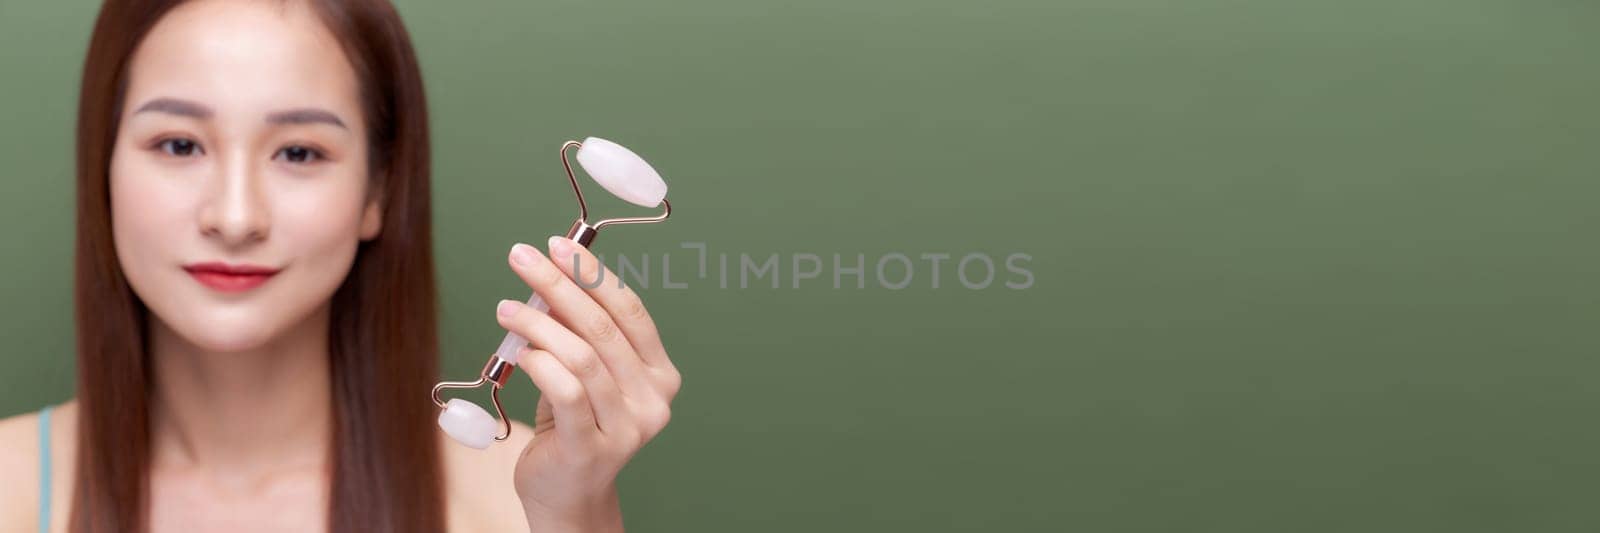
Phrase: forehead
x=244 y=56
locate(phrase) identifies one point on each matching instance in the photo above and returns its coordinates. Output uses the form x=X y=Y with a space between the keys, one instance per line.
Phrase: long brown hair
x=384 y=357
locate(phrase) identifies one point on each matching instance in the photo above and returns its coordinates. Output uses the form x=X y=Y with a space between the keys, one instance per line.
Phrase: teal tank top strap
x=44 y=470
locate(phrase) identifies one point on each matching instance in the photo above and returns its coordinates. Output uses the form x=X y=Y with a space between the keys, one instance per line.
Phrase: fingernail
x=522 y=254
x=506 y=308
x=560 y=247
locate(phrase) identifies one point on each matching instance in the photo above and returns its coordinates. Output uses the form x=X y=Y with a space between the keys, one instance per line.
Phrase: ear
x=372 y=216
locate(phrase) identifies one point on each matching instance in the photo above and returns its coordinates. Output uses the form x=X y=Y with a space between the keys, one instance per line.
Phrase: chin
x=260 y=318
x=227 y=341
x=220 y=327
x=214 y=334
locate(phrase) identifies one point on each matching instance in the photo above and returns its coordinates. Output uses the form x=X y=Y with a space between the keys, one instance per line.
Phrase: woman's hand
x=605 y=385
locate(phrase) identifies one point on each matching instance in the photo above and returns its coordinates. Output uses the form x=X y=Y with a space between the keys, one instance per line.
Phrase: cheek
x=149 y=211
x=322 y=224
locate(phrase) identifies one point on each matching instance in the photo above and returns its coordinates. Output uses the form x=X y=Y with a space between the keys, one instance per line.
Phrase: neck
x=260 y=409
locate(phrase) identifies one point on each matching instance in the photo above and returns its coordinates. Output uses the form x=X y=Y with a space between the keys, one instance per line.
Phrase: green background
x=1299 y=266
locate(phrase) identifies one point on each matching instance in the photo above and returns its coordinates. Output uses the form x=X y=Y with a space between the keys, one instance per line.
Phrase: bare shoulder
x=19 y=433
x=19 y=466
x=19 y=470
x=479 y=486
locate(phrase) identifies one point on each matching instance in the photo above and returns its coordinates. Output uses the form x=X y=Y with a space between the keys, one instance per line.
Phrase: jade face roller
x=620 y=172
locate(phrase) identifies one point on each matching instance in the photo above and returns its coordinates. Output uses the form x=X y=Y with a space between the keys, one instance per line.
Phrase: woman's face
x=241 y=145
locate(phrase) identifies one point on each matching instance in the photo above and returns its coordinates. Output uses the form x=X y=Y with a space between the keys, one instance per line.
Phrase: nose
x=234 y=211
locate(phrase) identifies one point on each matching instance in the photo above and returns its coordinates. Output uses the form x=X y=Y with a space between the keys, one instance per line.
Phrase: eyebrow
x=175 y=106
x=305 y=116
x=187 y=108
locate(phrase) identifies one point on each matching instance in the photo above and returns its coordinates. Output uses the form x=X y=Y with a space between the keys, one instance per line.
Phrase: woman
x=253 y=201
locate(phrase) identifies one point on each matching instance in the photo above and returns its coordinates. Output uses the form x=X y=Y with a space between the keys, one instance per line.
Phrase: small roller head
x=468 y=424
x=622 y=172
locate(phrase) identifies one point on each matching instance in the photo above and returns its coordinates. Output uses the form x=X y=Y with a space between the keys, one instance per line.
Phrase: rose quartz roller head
x=617 y=170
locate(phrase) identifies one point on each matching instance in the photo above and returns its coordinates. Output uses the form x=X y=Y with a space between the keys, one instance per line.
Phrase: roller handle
x=513 y=342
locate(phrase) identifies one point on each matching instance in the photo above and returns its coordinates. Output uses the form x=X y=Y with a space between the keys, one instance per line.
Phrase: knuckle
x=600 y=328
x=588 y=273
x=656 y=418
x=671 y=381
x=585 y=362
x=633 y=308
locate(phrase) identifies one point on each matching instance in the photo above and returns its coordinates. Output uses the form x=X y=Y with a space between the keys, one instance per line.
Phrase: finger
x=543 y=417
x=610 y=410
x=616 y=297
x=583 y=316
x=574 y=420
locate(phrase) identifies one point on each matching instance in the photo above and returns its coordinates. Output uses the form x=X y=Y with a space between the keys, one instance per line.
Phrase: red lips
x=230 y=278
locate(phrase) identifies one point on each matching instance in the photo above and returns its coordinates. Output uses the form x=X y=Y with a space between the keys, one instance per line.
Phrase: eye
x=299 y=154
x=178 y=147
